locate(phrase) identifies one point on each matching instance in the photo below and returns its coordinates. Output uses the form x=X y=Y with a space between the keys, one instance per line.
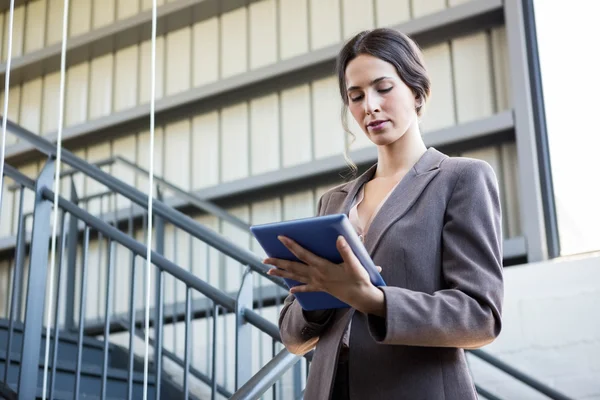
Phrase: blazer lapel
x=404 y=196
x=353 y=188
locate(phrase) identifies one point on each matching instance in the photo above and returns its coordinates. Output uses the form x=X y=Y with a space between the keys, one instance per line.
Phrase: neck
x=400 y=156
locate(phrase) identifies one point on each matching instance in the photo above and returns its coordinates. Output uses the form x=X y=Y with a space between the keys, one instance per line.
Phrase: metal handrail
x=189 y=197
x=519 y=375
x=175 y=217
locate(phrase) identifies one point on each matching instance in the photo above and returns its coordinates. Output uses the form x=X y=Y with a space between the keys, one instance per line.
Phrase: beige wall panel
x=104 y=13
x=263 y=33
x=76 y=94
x=295 y=125
x=94 y=269
x=126 y=148
x=361 y=139
x=299 y=205
x=472 y=77
x=328 y=132
x=264 y=133
x=232 y=272
x=35 y=25
x=264 y=212
x=453 y=3
x=206 y=258
x=424 y=7
x=147 y=4
x=357 y=16
x=391 y=12
x=325 y=23
x=80 y=20
x=177 y=153
x=14 y=109
x=176 y=250
x=501 y=69
x=2 y=18
x=234 y=142
x=143 y=156
x=234 y=43
x=126 y=78
x=54 y=19
x=10 y=209
x=101 y=79
x=18 y=36
x=146 y=69
x=293 y=28
x=127 y=8
x=206 y=51
x=97 y=152
x=512 y=206
x=50 y=105
x=121 y=279
x=179 y=46
x=5 y=288
x=31 y=105
x=205 y=150
x=439 y=110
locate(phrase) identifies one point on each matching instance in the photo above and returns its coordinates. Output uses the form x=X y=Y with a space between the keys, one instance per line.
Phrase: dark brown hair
x=393 y=47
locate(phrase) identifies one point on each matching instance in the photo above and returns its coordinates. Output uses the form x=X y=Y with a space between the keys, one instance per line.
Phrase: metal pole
x=36 y=287
x=71 y=264
x=243 y=332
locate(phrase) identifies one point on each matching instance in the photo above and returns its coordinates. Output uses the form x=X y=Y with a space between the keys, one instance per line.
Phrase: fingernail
x=281 y=239
x=342 y=241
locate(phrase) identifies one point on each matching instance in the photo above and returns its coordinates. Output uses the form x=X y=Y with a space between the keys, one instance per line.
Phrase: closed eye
x=386 y=90
x=357 y=98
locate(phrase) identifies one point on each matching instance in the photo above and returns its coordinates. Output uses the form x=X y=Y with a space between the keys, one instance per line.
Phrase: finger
x=379 y=269
x=303 y=289
x=300 y=252
x=287 y=265
x=288 y=275
x=346 y=252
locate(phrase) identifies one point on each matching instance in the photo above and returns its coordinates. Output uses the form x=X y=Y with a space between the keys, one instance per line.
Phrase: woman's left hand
x=348 y=281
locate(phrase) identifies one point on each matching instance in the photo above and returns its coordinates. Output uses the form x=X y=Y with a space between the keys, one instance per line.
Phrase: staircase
x=62 y=377
x=83 y=366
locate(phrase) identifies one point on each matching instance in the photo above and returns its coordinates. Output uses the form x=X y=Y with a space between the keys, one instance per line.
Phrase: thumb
x=346 y=252
x=378 y=268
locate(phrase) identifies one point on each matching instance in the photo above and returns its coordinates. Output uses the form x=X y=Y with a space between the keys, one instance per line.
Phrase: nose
x=372 y=105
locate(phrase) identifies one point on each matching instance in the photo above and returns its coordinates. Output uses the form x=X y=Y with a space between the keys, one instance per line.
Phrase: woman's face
x=379 y=100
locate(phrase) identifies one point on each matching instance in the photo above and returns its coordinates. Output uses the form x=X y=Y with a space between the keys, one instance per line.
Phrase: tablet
x=318 y=235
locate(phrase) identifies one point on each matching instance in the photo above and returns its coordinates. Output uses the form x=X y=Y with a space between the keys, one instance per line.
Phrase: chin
x=385 y=138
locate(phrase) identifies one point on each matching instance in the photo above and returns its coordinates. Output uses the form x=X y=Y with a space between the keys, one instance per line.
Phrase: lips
x=377 y=124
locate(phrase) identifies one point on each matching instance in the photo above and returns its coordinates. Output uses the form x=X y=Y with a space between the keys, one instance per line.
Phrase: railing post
x=158 y=295
x=36 y=287
x=243 y=332
x=71 y=263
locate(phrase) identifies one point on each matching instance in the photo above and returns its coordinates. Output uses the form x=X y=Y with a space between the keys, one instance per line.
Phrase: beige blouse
x=362 y=230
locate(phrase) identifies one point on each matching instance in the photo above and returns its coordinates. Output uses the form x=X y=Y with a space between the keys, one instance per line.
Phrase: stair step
x=91 y=378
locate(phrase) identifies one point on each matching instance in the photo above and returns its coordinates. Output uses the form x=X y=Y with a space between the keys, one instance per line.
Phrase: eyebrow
x=374 y=81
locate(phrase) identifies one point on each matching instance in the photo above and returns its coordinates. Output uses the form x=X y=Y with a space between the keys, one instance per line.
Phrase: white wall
x=551 y=329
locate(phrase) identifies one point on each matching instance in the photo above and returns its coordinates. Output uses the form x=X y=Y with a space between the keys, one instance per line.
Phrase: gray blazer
x=438 y=239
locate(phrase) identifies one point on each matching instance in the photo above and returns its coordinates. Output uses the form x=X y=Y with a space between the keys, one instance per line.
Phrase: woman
x=433 y=224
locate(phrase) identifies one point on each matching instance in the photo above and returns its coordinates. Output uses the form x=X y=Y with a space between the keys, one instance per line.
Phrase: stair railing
x=222 y=303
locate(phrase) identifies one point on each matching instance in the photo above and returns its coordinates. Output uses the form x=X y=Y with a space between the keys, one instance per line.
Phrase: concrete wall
x=551 y=329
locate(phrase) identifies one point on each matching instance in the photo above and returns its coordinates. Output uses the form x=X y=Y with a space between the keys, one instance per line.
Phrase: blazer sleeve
x=467 y=314
x=300 y=329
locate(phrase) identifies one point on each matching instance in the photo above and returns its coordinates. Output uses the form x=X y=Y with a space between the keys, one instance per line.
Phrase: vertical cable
x=150 y=193
x=61 y=106
x=6 y=89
